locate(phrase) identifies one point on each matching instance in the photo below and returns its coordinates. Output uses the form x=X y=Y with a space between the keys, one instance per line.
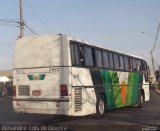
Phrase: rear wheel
x=100 y=107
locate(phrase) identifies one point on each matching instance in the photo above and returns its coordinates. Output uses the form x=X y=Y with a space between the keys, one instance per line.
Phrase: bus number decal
x=53 y=69
x=76 y=76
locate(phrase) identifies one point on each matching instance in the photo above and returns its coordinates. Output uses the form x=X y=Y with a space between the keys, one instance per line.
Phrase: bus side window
x=74 y=54
x=139 y=65
x=121 y=62
x=111 y=60
x=116 y=61
x=130 y=63
x=81 y=52
x=145 y=70
x=88 y=56
x=134 y=63
x=126 y=63
x=105 y=59
x=98 y=58
x=143 y=65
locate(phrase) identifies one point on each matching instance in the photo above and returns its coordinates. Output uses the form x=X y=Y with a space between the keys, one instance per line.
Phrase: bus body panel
x=120 y=88
x=83 y=92
x=145 y=87
x=46 y=82
x=38 y=51
x=49 y=100
x=42 y=107
x=40 y=68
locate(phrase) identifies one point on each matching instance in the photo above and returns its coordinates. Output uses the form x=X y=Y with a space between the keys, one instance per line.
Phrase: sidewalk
x=157 y=91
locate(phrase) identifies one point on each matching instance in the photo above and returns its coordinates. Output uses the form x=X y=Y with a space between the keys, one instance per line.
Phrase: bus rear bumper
x=42 y=107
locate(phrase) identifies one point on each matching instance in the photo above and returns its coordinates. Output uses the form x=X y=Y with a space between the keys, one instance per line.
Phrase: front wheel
x=100 y=107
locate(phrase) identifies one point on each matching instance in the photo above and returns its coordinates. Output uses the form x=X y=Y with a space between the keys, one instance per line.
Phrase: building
x=6 y=75
x=6 y=80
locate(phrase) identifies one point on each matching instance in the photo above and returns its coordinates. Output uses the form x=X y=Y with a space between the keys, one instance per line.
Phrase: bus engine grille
x=24 y=91
x=78 y=99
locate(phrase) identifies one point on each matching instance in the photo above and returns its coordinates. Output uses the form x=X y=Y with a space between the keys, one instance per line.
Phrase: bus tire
x=100 y=107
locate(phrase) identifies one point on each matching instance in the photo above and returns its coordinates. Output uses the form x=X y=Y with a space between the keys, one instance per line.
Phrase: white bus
x=56 y=74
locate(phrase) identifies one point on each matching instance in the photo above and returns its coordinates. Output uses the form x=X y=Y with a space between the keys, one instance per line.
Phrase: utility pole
x=159 y=72
x=152 y=57
x=152 y=60
x=21 y=20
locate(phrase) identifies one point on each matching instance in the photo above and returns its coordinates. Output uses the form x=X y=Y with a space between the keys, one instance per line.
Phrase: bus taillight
x=63 y=90
x=14 y=91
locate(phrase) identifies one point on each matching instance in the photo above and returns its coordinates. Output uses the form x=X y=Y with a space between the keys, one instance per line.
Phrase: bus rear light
x=14 y=91
x=63 y=90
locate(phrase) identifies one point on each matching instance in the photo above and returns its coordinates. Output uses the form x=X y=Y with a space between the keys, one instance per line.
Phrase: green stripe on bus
x=116 y=89
x=114 y=92
x=41 y=77
x=129 y=89
x=30 y=77
x=107 y=83
x=135 y=88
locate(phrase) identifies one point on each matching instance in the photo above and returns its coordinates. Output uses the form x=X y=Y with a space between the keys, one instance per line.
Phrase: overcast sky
x=117 y=24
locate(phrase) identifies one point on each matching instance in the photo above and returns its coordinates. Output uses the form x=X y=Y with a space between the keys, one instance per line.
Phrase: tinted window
x=88 y=56
x=121 y=62
x=105 y=59
x=139 y=65
x=134 y=64
x=98 y=58
x=145 y=70
x=126 y=63
x=130 y=63
x=111 y=60
x=116 y=61
x=81 y=52
x=74 y=54
x=143 y=66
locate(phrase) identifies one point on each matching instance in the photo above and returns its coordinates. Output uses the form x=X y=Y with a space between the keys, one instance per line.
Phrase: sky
x=115 y=24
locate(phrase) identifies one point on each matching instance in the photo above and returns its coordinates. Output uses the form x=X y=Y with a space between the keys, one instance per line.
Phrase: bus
x=58 y=74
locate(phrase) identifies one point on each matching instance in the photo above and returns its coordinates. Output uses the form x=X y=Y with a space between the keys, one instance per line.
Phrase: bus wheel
x=100 y=107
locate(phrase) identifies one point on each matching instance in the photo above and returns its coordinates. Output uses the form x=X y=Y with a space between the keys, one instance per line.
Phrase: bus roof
x=87 y=43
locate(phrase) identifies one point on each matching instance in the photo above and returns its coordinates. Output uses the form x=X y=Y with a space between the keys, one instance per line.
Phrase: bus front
x=38 y=75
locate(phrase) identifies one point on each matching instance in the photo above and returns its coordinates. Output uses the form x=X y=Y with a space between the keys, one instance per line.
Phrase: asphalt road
x=130 y=118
